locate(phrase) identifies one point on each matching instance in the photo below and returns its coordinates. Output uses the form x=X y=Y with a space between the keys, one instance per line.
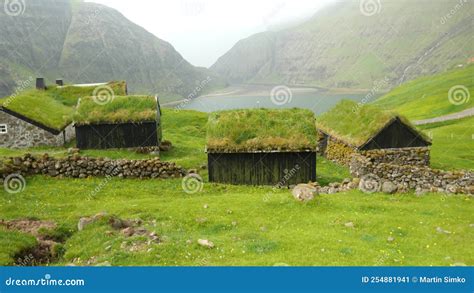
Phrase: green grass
x=249 y=225
x=453 y=144
x=11 y=243
x=119 y=109
x=40 y=107
x=69 y=95
x=356 y=124
x=428 y=97
x=261 y=130
x=54 y=107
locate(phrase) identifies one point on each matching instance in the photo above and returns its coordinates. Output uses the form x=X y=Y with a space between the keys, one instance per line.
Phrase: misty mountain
x=354 y=46
x=88 y=42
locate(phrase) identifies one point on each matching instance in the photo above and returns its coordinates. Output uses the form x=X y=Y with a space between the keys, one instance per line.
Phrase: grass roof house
x=262 y=147
x=121 y=122
x=42 y=116
x=349 y=127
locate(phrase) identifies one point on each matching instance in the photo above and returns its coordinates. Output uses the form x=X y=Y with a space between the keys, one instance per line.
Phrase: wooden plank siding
x=283 y=168
x=126 y=135
x=396 y=135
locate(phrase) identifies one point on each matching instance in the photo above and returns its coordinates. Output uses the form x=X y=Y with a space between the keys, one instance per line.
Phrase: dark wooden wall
x=262 y=168
x=127 y=135
x=396 y=135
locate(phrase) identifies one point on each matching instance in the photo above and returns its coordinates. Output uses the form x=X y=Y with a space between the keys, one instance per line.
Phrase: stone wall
x=75 y=166
x=22 y=134
x=419 y=156
x=416 y=177
x=338 y=152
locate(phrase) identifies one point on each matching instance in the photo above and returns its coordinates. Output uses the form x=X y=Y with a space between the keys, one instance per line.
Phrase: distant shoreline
x=258 y=89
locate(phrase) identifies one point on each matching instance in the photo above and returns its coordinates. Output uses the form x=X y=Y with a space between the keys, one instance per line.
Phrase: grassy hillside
x=342 y=47
x=85 y=42
x=453 y=144
x=430 y=96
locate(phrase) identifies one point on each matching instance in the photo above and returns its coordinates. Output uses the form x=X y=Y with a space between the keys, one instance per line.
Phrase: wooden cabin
x=349 y=127
x=262 y=147
x=122 y=122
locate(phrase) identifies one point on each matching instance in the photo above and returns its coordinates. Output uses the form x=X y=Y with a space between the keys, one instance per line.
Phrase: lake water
x=261 y=97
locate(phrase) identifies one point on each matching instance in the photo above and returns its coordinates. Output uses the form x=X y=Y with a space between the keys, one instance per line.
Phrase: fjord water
x=319 y=101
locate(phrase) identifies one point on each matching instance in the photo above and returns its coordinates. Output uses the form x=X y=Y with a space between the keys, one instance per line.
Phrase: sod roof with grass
x=53 y=107
x=120 y=109
x=254 y=130
x=356 y=125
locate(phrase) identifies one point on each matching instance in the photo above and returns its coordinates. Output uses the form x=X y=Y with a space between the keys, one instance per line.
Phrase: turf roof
x=355 y=124
x=254 y=130
x=53 y=107
x=120 y=109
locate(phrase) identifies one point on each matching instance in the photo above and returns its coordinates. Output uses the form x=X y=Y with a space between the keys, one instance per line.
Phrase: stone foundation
x=75 y=166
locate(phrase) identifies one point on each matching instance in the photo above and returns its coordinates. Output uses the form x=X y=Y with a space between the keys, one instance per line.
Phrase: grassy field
x=432 y=96
x=248 y=225
x=453 y=144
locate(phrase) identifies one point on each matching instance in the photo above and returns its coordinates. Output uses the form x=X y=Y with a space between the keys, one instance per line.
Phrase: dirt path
x=466 y=113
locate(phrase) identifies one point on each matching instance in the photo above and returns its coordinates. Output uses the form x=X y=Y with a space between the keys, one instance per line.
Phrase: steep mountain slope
x=342 y=47
x=432 y=96
x=88 y=42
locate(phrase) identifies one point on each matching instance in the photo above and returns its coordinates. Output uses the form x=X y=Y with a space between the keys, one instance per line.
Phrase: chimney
x=40 y=85
x=59 y=82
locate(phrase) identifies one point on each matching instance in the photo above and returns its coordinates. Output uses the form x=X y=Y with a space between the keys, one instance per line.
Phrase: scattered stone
x=389 y=187
x=206 y=243
x=390 y=239
x=128 y=232
x=458 y=264
x=304 y=192
x=206 y=206
x=229 y=212
x=349 y=225
x=441 y=230
x=189 y=242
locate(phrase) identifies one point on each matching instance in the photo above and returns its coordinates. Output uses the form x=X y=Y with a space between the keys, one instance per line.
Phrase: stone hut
x=383 y=136
x=43 y=116
x=262 y=147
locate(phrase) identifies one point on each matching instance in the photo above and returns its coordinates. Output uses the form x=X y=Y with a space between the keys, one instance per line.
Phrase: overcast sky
x=203 y=30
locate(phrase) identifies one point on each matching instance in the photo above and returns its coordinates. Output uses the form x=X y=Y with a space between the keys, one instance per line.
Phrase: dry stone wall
x=419 y=156
x=75 y=166
x=416 y=177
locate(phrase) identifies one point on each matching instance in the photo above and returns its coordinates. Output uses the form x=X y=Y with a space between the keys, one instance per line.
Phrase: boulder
x=389 y=187
x=304 y=192
x=205 y=243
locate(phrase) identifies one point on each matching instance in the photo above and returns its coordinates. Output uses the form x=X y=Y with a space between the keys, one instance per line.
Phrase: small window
x=3 y=129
